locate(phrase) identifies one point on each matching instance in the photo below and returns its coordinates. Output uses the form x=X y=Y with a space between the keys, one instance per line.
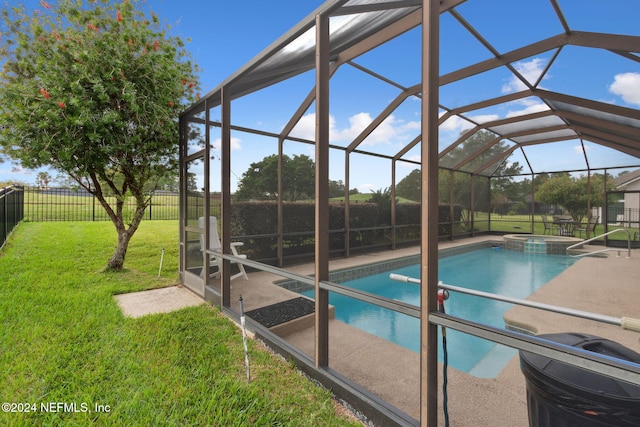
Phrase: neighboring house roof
x=627 y=178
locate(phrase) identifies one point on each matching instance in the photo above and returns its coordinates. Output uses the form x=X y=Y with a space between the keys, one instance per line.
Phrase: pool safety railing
x=627 y=323
x=584 y=242
x=612 y=367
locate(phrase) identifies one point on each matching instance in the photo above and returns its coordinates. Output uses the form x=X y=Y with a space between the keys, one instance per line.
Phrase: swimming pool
x=511 y=273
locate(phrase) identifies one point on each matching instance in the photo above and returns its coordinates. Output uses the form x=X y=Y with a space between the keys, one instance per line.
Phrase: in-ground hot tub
x=537 y=243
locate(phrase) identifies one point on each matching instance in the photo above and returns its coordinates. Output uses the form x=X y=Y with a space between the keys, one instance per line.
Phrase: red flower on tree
x=119 y=16
x=93 y=27
x=45 y=93
x=156 y=45
x=44 y=4
x=62 y=104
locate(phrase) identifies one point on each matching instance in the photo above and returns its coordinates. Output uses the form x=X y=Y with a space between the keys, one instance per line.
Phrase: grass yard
x=69 y=356
x=522 y=224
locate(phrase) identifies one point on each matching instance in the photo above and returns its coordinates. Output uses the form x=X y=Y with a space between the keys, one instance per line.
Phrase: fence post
x=11 y=210
x=21 y=204
x=3 y=214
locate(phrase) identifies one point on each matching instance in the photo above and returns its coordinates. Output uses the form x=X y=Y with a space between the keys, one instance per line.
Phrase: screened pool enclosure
x=465 y=103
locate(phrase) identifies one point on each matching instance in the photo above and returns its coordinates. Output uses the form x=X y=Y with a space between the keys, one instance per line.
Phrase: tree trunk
x=125 y=234
x=116 y=262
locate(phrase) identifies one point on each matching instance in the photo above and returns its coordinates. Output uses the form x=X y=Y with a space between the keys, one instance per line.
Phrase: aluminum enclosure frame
x=367 y=25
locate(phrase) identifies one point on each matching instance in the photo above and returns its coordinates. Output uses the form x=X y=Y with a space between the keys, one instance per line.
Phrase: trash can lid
x=579 y=380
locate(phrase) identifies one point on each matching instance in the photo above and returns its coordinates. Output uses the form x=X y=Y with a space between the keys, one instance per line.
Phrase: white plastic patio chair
x=214 y=244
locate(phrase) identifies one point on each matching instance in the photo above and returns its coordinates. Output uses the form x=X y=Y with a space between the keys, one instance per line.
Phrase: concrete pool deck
x=600 y=285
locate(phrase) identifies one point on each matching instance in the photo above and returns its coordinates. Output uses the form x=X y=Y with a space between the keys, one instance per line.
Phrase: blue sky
x=225 y=35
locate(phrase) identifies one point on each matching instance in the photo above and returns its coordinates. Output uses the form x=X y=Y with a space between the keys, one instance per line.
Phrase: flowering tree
x=94 y=90
x=572 y=193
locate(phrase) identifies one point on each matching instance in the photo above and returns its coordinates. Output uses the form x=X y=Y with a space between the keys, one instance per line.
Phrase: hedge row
x=250 y=218
x=257 y=223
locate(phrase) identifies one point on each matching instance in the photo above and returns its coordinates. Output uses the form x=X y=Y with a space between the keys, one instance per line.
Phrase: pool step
x=493 y=362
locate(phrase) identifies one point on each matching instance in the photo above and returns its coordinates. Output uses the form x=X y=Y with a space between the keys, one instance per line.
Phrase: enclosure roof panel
x=351 y=22
x=559 y=42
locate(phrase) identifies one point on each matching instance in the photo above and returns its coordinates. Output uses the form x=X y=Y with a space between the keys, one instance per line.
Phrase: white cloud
x=393 y=130
x=530 y=70
x=11 y=171
x=389 y=131
x=484 y=118
x=627 y=85
x=458 y=124
x=235 y=144
x=415 y=158
x=529 y=109
x=306 y=127
x=578 y=149
x=357 y=124
x=366 y=188
x=16 y=170
x=455 y=123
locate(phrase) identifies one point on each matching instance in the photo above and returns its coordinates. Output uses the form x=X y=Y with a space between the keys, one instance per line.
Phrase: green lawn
x=64 y=341
x=522 y=224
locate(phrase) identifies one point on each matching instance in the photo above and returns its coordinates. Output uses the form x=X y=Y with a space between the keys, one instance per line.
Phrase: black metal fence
x=77 y=204
x=11 y=210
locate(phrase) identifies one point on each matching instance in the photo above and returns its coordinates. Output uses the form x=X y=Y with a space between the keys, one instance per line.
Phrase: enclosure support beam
x=452 y=178
x=206 y=211
x=280 y=219
x=605 y=211
x=429 y=214
x=225 y=166
x=472 y=206
x=322 y=190
x=182 y=208
x=347 y=202
x=533 y=203
x=393 y=203
x=588 y=199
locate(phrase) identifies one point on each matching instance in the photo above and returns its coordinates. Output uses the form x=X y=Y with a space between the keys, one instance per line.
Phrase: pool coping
x=356 y=272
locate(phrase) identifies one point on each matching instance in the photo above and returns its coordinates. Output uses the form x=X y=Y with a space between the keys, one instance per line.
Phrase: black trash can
x=561 y=395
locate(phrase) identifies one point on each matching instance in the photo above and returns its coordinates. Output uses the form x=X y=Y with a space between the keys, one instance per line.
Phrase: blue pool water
x=505 y=272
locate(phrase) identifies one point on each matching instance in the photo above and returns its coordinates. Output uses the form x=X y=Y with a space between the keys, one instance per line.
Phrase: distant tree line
x=260 y=180
x=482 y=151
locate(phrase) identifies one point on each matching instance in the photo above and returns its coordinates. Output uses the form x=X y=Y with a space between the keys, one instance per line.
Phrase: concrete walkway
x=163 y=300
